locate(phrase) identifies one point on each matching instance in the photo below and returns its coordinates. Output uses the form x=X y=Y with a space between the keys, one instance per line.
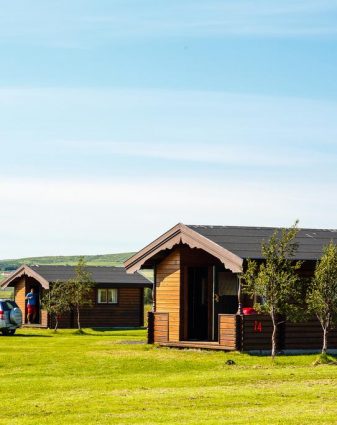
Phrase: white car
x=10 y=317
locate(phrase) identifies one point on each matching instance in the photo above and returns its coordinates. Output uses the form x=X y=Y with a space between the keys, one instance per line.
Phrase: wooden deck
x=204 y=345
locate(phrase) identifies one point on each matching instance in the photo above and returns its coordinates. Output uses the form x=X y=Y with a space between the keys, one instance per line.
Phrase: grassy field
x=7 y=293
x=91 y=260
x=111 y=377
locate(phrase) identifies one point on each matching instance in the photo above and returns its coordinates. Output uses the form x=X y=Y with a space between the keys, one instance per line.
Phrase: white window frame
x=106 y=291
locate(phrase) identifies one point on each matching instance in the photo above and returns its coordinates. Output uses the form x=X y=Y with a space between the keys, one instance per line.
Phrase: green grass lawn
x=109 y=378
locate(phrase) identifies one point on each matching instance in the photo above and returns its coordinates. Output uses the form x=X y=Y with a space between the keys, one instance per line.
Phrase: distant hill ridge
x=116 y=260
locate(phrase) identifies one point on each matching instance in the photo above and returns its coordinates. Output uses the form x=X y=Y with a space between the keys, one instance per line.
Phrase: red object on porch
x=248 y=310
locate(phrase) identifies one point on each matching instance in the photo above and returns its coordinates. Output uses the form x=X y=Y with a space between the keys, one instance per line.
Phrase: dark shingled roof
x=246 y=241
x=99 y=274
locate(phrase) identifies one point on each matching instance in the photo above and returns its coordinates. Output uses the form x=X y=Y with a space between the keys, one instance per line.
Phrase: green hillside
x=115 y=260
x=92 y=260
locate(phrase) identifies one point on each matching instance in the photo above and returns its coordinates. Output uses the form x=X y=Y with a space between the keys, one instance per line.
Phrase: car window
x=7 y=305
x=4 y=306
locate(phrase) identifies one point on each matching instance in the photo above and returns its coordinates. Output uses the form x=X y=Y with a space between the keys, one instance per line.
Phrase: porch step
x=34 y=326
x=205 y=345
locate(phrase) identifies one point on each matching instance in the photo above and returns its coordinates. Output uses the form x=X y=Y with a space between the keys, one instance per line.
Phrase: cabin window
x=107 y=296
x=228 y=284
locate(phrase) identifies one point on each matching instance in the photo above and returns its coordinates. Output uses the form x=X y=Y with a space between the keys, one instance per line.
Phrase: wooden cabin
x=197 y=290
x=117 y=297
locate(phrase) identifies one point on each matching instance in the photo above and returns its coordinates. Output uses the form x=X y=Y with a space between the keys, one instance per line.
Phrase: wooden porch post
x=154 y=289
x=239 y=295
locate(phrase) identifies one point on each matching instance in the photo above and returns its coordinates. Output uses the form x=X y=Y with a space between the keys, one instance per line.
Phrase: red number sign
x=257 y=326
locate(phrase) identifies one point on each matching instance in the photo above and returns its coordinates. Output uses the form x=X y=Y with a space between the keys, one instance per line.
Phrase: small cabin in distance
x=117 y=299
x=198 y=301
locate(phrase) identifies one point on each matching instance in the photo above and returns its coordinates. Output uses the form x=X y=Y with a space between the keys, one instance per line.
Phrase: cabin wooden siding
x=256 y=332
x=245 y=333
x=128 y=312
x=307 y=335
x=20 y=295
x=168 y=277
x=65 y=320
x=228 y=331
x=44 y=319
x=150 y=327
x=157 y=327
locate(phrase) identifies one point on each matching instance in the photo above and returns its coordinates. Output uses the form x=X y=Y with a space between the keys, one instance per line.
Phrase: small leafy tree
x=275 y=281
x=322 y=296
x=79 y=288
x=56 y=301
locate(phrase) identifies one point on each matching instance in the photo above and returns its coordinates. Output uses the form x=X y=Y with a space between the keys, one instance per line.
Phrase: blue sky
x=121 y=118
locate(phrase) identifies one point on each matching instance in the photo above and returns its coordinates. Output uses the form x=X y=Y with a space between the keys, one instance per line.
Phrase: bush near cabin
x=322 y=296
x=275 y=281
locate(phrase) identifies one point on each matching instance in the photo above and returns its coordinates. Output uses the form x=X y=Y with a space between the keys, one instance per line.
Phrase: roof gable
x=100 y=275
x=185 y=235
x=25 y=271
x=231 y=244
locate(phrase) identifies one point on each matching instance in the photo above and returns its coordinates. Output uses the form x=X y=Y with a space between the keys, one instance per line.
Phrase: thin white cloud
x=237 y=133
x=207 y=153
x=219 y=18
x=41 y=217
x=80 y=24
x=163 y=116
x=186 y=126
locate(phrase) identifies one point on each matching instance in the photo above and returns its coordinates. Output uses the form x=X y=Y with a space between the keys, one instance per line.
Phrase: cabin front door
x=37 y=290
x=198 y=303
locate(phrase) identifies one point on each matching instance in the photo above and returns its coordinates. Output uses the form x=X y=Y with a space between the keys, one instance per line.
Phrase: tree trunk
x=273 y=338
x=325 y=340
x=56 y=323
x=78 y=318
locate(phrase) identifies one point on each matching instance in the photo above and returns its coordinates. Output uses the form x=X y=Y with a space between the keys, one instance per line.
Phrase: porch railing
x=158 y=327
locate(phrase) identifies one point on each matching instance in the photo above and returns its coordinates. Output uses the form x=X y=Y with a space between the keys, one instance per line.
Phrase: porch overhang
x=24 y=271
x=181 y=234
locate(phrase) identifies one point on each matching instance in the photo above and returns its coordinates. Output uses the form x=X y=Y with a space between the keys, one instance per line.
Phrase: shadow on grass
x=116 y=329
x=108 y=332
x=80 y=332
x=282 y=354
x=325 y=359
x=30 y=336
